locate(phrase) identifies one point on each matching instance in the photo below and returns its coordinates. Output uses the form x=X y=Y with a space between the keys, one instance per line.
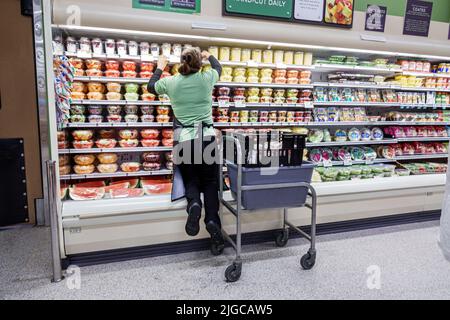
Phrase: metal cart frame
x=233 y=272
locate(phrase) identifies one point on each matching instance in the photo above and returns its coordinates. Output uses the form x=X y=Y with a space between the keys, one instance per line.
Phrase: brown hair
x=191 y=61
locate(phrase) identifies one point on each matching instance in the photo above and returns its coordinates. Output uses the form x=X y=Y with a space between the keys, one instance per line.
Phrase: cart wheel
x=308 y=261
x=233 y=272
x=282 y=238
x=217 y=250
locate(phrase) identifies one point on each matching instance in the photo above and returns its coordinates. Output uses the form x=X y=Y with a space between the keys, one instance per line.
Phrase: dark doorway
x=13 y=187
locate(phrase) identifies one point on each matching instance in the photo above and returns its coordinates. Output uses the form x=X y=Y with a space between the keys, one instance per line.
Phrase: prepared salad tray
x=320 y=155
x=355 y=172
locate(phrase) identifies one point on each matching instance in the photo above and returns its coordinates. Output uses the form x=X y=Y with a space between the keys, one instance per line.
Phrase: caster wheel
x=308 y=261
x=282 y=238
x=217 y=250
x=233 y=272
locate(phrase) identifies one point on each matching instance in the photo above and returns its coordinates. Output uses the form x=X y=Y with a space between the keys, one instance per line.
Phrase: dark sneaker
x=217 y=241
x=192 y=224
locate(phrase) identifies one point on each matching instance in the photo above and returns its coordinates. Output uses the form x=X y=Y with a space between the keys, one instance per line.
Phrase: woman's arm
x=215 y=64
x=155 y=77
x=162 y=64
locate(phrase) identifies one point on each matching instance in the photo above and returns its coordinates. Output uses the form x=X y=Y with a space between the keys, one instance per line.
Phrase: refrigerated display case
x=376 y=126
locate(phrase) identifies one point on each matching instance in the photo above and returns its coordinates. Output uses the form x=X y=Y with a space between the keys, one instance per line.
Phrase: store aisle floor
x=409 y=261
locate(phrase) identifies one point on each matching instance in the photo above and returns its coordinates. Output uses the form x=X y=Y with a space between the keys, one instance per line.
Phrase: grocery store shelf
x=381 y=184
x=162 y=203
x=419 y=139
x=422 y=157
x=115 y=175
x=121 y=102
x=113 y=150
x=422 y=89
x=264 y=85
x=356 y=104
x=357 y=162
x=426 y=74
x=351 y=143
x=354 y=85
x=257 y=124
x=343 y=67
x=119 y=125
x=252 y=64
x=264 y=105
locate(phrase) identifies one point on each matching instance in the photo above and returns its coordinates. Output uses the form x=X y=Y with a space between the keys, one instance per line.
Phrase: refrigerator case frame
x=157 y=211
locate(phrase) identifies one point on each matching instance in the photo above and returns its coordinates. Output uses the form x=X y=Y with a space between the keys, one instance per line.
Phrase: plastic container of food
x=236 y=54
x=161 y=118
x=84 y=169
x=113 y=87
x=162 y=110
x=83 y=144
x=95 y=119
x=130 y=166
x=93 y=64
x=131 y=88
x=150 y=133
x=279 y=93
x=112 y=118
x=77 y=109
x=114 y=109
x=224 y=54
x=112 y=65
x=145 y=74
x=131 y=118
x=113 y=96
x=133 y=48
x=121 y=46
x=107 y=134
x=78 y=87
x=96 y=87
x=84 y=159
x=150 y=143
x=144 y=48
x=257 y=55
x=266 y=99
x=112 y=73
x=148 y=118
x=95 y=96
x=94 y=73
x=267 y=56
x=106 y=143
x=110 y=47
x=131 y=96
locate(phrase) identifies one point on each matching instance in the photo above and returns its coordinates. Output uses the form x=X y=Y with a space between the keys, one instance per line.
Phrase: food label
x=327 y=163
x=240 y=104
x=84 y=55
x=309 y=105
x=128 y=157
x=348 y=161
x=267 y=8
x=147 y=58
x=224 y=104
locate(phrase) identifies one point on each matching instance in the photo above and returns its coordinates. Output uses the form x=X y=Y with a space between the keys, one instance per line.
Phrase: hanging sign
x=417 y=18
x=323 y=12
x=375 y=18
x=178 y=6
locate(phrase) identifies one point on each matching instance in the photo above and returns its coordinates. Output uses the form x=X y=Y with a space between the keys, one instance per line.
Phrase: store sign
x=375 y=18
x=265 y=8
x=322 y=12
x=179 y=6
x=417 y=18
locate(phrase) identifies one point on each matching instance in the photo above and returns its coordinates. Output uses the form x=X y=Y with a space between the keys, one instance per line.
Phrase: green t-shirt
x=191 y=98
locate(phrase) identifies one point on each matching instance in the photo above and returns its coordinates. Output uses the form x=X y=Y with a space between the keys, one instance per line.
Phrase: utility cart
x=255 y=185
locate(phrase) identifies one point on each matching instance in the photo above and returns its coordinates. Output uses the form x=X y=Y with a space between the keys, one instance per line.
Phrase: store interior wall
x=119 y=14
x=18 y=114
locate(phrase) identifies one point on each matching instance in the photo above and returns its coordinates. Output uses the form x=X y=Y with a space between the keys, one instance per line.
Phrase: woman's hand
x=205 y=54
x=162 y=62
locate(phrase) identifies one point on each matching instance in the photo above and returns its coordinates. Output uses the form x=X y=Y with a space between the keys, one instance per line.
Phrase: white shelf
x=120 y=125
x=422 y=89
x=358 y=162
x=343 y=67
x=350 y=143
x=265 y=105
x=353 y=85
x=356 y=104
x=426 y=74
x=422 y=157
x=115 y=175
x=264 y=85
x=113 y=150
x=425 y=139
x=120 y=102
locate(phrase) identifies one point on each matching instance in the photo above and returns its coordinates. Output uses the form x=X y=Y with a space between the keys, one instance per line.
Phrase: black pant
x=200 y=176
